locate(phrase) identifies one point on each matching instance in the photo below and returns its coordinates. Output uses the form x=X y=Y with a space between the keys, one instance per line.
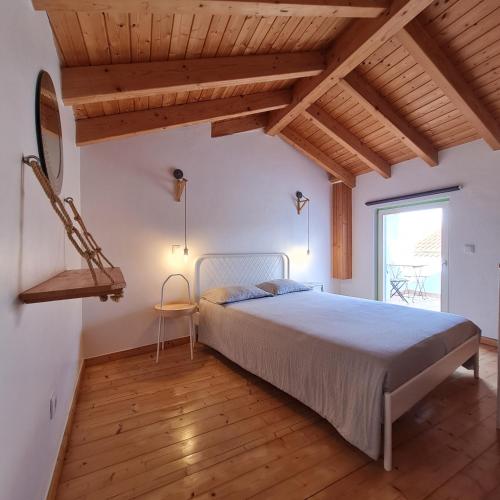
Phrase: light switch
x=470 y=249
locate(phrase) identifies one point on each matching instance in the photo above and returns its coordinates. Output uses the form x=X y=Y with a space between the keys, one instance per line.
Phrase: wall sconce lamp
x=180 y=185
x=180 y=189
x=300 y=202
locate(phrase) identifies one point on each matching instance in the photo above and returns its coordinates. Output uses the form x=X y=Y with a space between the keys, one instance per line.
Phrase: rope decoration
x=81 y=239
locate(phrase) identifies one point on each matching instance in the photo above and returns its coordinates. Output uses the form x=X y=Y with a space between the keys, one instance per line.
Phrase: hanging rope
x=85 y=243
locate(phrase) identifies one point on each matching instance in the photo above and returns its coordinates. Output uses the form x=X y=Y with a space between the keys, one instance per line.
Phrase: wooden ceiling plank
x=89 y=84
x=474 y=39
x=237 y=125
x=316 y=155
x=346 y=54
x=103 y=128
x=118 y=31
x=433 y=60
x=333 y=32
x=71 y=45
x=375 y=104
x=436 y=10
x=384 y=51
x=161 y=34
x=394 y=77
x=199 y=37
x=453 y=13
x=229 y=37
x=410 y=91
x=253 y=47
x=379 y=66
x=221 y=45
x=348 y=140
x=93 y=30
x=470 y=26
x=423 y=105
x=140 y=48
x=309 y=35
x=323 y=8
x=67 y=31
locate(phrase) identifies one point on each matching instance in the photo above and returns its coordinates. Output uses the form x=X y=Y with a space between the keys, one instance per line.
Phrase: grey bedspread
x=336 y=354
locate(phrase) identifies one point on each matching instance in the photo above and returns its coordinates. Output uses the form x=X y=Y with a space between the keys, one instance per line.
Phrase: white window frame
x=412 y=207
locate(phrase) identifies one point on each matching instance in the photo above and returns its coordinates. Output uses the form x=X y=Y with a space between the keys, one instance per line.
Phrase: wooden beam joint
x=429 y=55
x=345 y=55
x=237 y=125
x=380 y=109
x=316 y=155
x=347 y=139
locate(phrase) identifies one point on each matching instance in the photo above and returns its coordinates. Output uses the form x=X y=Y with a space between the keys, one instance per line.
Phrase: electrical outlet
x=470 y=249
x=52 y=406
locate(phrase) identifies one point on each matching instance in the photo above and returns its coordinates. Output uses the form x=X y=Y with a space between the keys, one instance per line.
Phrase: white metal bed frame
x=226 y=269
x=215 y=270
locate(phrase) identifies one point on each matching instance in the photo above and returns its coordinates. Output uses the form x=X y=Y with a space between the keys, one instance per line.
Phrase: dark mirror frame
x=38 y=126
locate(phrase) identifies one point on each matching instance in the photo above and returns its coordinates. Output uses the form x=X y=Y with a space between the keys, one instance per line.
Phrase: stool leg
x=191 y=332
x=163 y=334
x=158 y=340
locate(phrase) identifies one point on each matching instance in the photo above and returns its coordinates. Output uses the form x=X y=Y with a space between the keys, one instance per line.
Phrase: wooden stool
x=173 y=311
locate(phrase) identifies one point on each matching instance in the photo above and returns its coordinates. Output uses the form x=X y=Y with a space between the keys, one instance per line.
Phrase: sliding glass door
x=413 y=256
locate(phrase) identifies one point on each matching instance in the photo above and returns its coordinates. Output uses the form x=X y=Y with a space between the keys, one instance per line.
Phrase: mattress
x=336 y=354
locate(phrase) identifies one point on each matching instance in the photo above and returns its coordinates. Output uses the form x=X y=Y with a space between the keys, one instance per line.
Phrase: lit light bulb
x=186 y=253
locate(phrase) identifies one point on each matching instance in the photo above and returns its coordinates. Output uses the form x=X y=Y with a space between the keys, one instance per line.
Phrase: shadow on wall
x=142 y=329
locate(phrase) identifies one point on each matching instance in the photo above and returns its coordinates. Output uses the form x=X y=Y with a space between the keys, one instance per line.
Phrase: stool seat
x=176 y=310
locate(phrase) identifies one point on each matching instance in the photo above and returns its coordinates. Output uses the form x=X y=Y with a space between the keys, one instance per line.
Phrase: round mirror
x=48 y=131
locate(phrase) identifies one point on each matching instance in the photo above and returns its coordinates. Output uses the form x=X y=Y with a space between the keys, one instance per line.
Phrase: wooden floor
x=185 y=429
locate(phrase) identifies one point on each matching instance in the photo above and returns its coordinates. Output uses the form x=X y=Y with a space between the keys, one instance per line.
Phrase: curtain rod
x=414 y=195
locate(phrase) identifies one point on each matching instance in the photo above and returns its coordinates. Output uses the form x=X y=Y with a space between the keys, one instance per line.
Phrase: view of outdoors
x=412 y=258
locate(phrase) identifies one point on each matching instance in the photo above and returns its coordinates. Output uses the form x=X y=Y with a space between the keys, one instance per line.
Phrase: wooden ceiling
x=356 y=86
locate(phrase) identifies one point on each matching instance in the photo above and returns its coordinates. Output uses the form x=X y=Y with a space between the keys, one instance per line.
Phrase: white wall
x=240 y=195
x=474 y=217
x=39 y=343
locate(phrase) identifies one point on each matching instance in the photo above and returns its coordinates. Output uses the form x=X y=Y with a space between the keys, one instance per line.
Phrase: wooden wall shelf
x=75 y=284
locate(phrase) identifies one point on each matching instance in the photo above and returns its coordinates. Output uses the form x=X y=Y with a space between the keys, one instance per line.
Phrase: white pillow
x=228 y=294
x=280 y=287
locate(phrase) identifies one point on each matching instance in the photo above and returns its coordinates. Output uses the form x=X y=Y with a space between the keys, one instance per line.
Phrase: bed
x=358 y=363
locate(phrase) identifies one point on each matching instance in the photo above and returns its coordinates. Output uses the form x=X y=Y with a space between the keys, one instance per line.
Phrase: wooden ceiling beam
x=103 y=128
x=351 y=48
x=380 y=109
x=347 y=139
x=301 y=8
x=427 y=53
x=241 y=124
x=316 y=155
x=90 y=84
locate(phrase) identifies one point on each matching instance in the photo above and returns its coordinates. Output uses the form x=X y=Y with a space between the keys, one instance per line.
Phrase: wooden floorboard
x=207 y=429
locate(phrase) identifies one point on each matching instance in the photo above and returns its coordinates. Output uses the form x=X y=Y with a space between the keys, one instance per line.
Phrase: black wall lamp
x=300 y=202
x=180 y=185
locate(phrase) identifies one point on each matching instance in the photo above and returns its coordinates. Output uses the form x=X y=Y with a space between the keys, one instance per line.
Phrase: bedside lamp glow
x=300 y=260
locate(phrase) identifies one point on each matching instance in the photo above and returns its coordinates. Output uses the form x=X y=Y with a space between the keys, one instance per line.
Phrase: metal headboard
x=216 y=270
